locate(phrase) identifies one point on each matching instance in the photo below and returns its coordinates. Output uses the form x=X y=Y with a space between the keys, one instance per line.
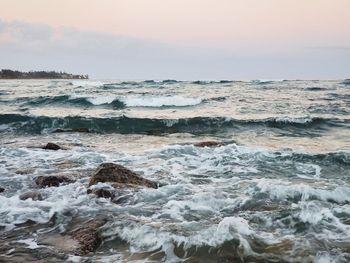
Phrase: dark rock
x=83 y=129
x=2 y=189
x=88 y=236
x=208 y=144
x=52 y=180
x=52 y=146
x=59 y=130
x=27 y=223
x=35 y=196
x=101 y=193
x=115 y=173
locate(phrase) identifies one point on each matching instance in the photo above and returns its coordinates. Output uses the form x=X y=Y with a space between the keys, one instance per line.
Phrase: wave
x=206 y=82
x=170 y=81
x=72 y=100
x=341 y=157
x=114 y=101
x=126 y=125
x=161 y=101
x=262 y=82
x=315 y=89
x=346 y=82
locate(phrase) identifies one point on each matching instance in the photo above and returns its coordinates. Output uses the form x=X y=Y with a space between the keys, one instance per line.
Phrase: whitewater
x=244 y=171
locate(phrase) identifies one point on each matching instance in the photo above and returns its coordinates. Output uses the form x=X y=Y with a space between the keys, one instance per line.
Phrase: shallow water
x=278 y=190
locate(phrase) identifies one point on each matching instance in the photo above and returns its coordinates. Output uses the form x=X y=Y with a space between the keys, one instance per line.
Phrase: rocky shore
x=82 y=236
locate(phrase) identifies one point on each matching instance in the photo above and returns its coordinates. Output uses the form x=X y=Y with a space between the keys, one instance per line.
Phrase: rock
x=35 y=196
x=52 y=146
x=2 y=189
x=101 y=193
x=25 y=171
x=115 y=173
x=88 y=236
x=52 y=180
x=80 y=237
x=208 y=144
x=83 y=129
x=59 y=130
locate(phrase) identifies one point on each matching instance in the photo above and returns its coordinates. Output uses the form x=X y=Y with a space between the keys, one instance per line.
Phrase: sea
x=274 y=187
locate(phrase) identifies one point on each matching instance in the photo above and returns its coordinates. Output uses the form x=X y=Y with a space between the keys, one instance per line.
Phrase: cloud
x=28 y=46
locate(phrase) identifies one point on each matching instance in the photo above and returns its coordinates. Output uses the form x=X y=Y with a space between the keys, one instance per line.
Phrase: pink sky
x=196 y=38
x=219 y=23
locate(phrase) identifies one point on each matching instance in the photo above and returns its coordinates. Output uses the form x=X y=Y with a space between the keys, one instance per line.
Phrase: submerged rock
x=35 y=196
x=208 y=144
x=115 y=173
x=52 y=146
x=88 y=236
x=81 y=237
x=101 y=193
x=2 y=189
x=51 y=180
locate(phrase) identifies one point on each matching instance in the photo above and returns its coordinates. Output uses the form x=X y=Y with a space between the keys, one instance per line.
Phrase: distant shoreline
x=15 y=74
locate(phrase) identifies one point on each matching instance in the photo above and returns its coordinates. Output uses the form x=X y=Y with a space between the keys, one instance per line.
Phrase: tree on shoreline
x=15 y=74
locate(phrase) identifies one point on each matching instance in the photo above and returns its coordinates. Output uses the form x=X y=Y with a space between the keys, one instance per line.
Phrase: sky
x=178 y=39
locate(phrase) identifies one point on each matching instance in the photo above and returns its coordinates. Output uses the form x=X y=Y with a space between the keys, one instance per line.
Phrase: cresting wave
x=117 y=102
x=346 y=82
x=124 y=125
x=79 y=101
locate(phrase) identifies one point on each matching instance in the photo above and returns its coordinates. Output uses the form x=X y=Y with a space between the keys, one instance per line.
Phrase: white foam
x=282 y=190
x=100 y=100
x=298 y=120
x=74 y=259
x=309 y=171
x=60 y=199
x=324 y=257
x=30 y=242
x=144 y=237
x=159 y=101
x=96 y=100
x=87 y=83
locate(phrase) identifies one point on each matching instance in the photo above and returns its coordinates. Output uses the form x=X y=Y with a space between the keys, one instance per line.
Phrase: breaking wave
x=123 y=124
x=117 y=102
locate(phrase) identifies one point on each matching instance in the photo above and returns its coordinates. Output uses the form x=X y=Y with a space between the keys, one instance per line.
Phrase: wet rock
x=52 y=146
x=101 y=193
x=2 y=189
x=83 y=129
x=88 y=236
x=27 y=223
x=115 y=173
x=60 y=130
x=23 y=171
x=35 y=196
x=208 y=144
x=52 y=180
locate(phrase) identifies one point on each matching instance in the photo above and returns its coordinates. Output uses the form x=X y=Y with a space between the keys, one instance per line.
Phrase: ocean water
x=277 y=190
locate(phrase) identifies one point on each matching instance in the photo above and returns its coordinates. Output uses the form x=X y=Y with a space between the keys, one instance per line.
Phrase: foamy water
x=276 y=190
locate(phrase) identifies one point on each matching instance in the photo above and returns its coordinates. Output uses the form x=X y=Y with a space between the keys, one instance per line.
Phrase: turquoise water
x=277 y=190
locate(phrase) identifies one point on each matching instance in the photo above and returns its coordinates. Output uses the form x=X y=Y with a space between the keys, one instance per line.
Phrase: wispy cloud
x=28 y=46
